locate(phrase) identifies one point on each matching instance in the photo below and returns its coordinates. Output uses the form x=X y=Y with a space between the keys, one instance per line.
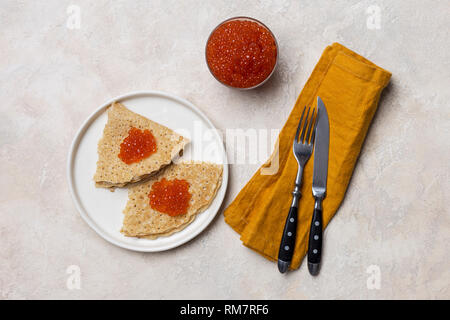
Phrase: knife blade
x=321 y=146
x=319 y=186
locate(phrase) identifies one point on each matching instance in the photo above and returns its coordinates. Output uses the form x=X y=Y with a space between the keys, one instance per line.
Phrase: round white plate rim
x=76 y=142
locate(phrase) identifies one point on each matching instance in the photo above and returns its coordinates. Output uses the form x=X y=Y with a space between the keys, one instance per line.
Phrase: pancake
x=111 y=170
x=142 y=221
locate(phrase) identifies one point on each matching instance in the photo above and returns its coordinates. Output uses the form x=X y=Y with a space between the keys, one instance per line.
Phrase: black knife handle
x=288 y=240
x=315 y=241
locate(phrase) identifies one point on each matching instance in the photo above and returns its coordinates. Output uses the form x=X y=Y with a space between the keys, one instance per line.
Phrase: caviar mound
x=170 y=196
x=138 y=145
x=241 y=53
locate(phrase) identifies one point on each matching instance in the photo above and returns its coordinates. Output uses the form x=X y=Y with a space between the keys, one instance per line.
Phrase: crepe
x=144 y=222
x=111 y=170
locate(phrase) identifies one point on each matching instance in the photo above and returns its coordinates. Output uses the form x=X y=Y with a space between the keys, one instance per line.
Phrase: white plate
x=101 y=208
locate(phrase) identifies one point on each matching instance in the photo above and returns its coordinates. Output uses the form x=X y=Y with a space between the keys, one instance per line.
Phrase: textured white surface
x=395 y=215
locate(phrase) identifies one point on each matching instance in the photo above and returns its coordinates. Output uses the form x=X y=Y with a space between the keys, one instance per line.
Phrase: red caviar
x=241 y=53
x=170 y=196
x=137 y=145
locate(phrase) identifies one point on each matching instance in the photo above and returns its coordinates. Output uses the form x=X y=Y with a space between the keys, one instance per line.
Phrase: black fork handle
x=287 y=244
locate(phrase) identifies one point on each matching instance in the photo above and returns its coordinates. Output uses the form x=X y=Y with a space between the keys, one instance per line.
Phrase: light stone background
x=395 y=215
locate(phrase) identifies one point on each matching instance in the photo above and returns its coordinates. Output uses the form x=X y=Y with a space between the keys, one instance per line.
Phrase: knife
x=319 y=187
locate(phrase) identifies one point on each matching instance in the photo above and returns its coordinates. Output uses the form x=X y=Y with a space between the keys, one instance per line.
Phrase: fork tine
x=299 y=125
x=304 y=127
x=309 y=127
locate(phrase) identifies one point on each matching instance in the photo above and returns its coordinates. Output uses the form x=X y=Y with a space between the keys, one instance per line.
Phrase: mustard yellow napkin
x=350 y=87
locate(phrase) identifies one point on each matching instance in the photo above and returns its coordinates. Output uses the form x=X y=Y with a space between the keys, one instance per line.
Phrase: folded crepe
x=111 y=170
x=143 y=221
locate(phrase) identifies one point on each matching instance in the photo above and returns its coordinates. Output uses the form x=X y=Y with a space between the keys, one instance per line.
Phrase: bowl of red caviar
x=242 y=53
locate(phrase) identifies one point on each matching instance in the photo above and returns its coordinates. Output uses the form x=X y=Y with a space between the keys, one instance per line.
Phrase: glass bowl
x=261 y=24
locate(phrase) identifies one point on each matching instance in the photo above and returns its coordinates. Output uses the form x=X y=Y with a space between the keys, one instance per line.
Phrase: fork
x=302 y=148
